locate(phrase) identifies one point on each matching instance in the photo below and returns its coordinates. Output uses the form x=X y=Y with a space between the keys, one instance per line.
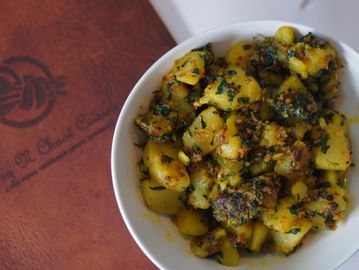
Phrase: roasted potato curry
x=246 y=152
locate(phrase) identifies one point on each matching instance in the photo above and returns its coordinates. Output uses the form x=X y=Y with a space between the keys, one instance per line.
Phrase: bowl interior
x=157 y=236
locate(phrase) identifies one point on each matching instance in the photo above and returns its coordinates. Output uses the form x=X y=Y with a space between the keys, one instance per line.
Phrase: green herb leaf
x=231 y=92
x=197 y=150
x=294 y=231
x=203 y=123
x=243 y=100
x=291 y=54
x=162 y=109
x=294 y=208
x=324 y=143
x=158 y=188
x=166 y=159
x=195 y=72
x=231 y=72
x=222 y=87
x=246 y=46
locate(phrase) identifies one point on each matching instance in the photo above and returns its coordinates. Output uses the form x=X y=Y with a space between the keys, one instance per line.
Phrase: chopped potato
x=230 y=145
x=299 y=190
x=333 y=153
x=241 y=233
x=202 y=183
x=286 y=242
x=260 y=233
x=191 y=222
x=164 y=166
x=200 y=137
x=241 y=53
x=228 y=254
x=160 y=199
x=190 y=68
x=246 y=152
x=285 y=35
x=283 y=219
x=232 y=91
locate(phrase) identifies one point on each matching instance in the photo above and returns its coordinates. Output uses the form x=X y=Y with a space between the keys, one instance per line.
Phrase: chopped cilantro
x=231 y=72
x=197 y=150
x=158 y=188
x=294 y=231
x=166 y=159
x=243 y=100
x=203 y=123
x=195 y=72
x=291 y=54
x=324 y=143
x=162 y=109
x=294 y=208
x=246 y=46
x=221 y=87
x=231 y=92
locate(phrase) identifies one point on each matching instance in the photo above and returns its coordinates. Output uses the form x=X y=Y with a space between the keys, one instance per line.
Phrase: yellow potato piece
x=228 y=254
x=159 y=199
x=164 y=165
x=285 y=35
x=260 y=234
x=334 y=152
x=240 y=53
x=282 y=219
x=191 y=222
x=287 y=242
x=299 y=190
x=190 y=68
x=233 y=91
x=199 y=138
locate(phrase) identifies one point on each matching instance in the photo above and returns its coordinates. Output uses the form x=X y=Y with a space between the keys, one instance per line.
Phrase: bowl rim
x=137 y=86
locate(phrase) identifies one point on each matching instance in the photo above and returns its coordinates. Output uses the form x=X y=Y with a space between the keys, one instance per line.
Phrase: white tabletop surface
x=339 y=19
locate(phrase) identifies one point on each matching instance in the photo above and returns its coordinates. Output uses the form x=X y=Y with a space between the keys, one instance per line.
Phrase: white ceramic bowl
x=157 y=236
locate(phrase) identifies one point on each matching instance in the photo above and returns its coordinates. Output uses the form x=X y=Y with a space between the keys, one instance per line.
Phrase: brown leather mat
x=66 y=69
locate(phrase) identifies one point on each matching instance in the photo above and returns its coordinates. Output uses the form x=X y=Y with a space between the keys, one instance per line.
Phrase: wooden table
x=66 y=69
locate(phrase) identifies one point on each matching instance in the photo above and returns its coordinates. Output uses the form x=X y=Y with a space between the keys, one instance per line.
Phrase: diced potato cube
x=233 y=91
x=241 y=233
x=260 y=234
x=285 y=35
x=334 y=151
x=160 y=200
x=163 y=164
x=240 y=53
x=199 y=138
x=202 y=184
x=282 y=219
x=231 y=143
x=295 y=162
x=191 y=222
x=190 y=68
x=329 y=203
x=228 y=254
x=175 y=94
x=209 y=244
x=299 y=130
x=298 y=67
x=299 y=190
x=272 y=135
x=287 y=242
x=260 y=168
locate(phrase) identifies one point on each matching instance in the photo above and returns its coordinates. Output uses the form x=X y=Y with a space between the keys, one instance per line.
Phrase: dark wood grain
x=57 y=206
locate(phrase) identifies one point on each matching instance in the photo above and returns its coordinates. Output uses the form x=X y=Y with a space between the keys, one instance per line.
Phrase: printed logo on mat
x=28 y=91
